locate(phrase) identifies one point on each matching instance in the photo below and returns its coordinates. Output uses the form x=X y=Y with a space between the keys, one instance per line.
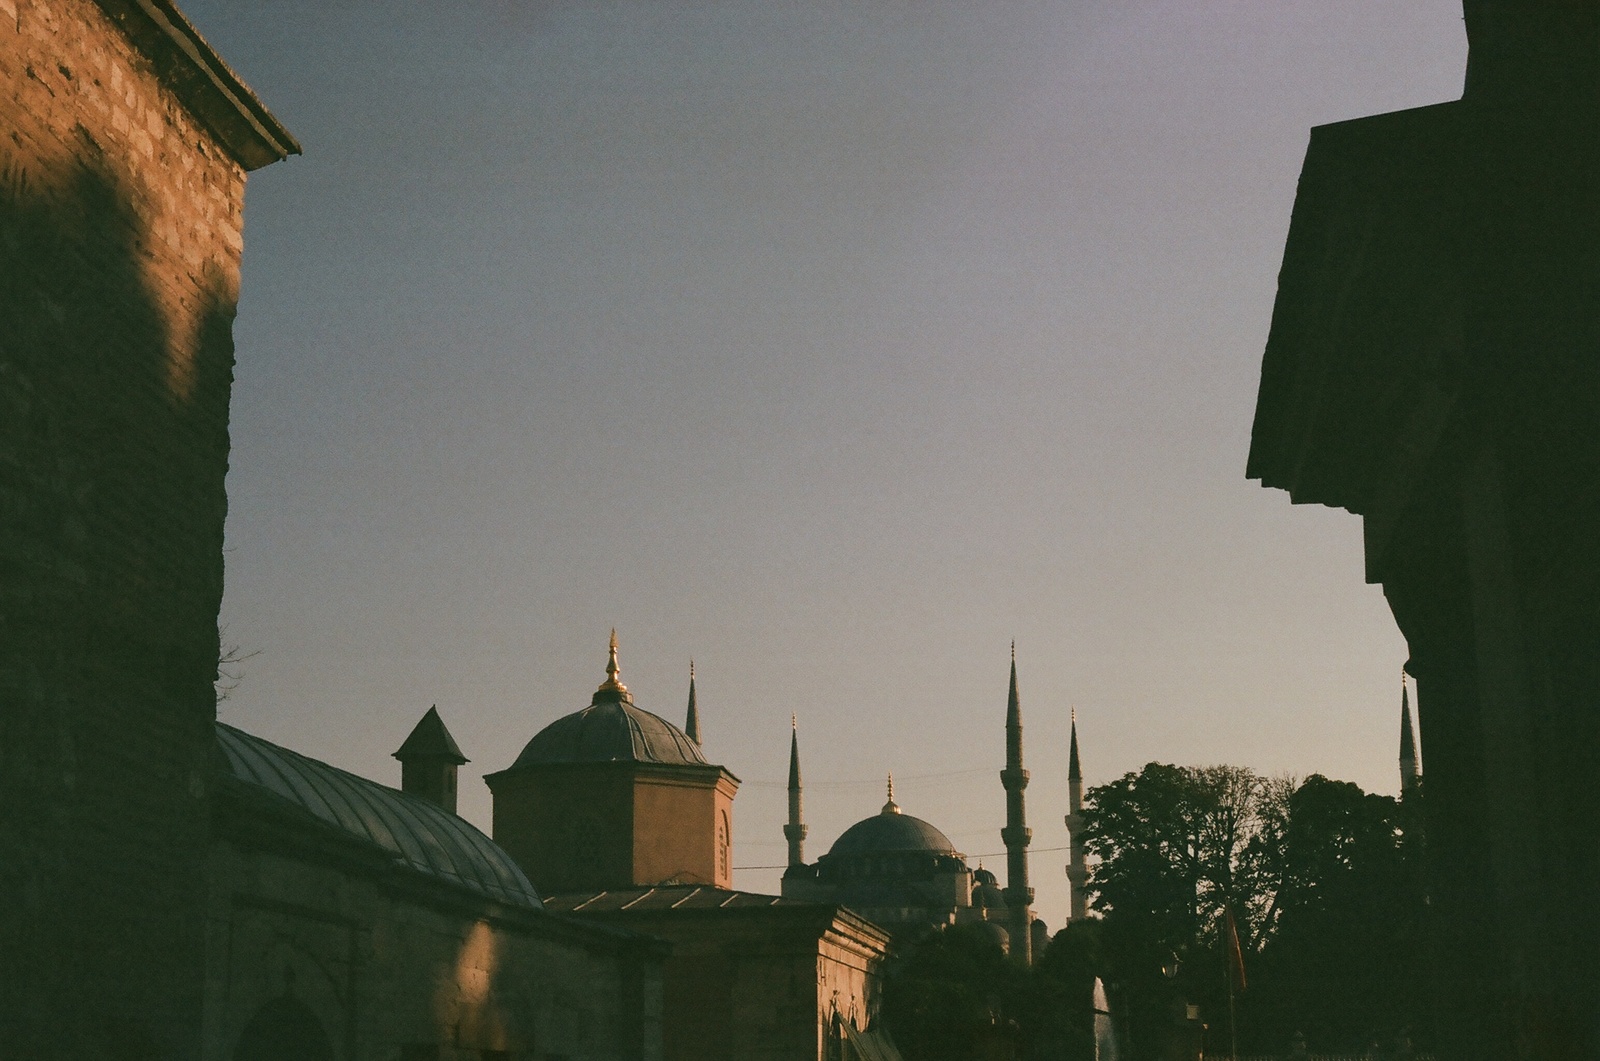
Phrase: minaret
x=691 y=725
x=1016 y=834
x=795 y=831
x=1077 y=870
x=1409 y=775
x=428 y=761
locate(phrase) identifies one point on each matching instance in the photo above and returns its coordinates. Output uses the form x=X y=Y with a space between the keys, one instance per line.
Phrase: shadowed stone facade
x=170 y=888
x=123 y=154
x=1434 y=366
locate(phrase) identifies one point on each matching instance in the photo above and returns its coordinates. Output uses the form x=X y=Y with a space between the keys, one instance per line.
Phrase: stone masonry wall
x=120 y=236
x=388 y=978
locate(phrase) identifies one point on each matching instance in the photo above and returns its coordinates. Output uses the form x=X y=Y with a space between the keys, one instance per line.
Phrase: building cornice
x=200 y=79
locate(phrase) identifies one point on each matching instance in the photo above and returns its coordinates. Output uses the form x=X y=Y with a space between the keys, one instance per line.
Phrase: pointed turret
x=1077 y=864
x=1016 y=834
x=1409 y=774
x=795 y=831
x=428 y=761
x=691 y=725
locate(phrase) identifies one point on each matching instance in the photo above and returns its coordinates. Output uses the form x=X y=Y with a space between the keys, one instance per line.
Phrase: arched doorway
x=284 y=1029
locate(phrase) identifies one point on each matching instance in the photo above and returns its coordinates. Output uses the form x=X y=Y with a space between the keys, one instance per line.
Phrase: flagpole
x=1233 y=1026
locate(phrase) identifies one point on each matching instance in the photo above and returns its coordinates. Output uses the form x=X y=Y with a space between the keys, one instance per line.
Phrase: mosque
x=616 y=817
x=905 y=874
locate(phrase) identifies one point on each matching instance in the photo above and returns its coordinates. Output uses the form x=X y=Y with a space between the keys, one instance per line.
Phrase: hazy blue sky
x=832 y=344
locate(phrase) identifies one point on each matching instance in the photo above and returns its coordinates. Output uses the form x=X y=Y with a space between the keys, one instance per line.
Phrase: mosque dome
x=611 y=729
x=986 y=890
x=891 y=831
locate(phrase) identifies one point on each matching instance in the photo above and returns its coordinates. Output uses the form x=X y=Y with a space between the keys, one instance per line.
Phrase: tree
x=1345 y=964
x=954 y=996
x=1315 y=874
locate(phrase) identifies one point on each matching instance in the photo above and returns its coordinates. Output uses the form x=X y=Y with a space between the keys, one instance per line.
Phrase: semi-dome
x=891 y=830
x=612 y=729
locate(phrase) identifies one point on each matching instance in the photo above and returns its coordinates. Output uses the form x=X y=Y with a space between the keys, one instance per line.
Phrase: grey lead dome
x=891 y=831
x=611 y=730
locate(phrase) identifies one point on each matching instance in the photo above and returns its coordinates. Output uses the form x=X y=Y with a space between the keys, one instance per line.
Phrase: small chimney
x=428 y=761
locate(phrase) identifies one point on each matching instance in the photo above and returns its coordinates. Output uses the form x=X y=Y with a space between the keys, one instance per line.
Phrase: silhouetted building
x=905 y=874
x=1434 y=366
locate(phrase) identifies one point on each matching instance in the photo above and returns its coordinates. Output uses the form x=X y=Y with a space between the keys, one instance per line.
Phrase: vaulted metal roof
x=611 y=729
x=420 y=835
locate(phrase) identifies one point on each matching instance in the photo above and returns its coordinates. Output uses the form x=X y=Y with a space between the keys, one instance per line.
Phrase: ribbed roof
x=662 y=897
x=891 y=831
x=611 y=729
x=419 y=834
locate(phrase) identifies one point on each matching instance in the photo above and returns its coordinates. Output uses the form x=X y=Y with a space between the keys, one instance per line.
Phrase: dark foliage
x=955 y=996
x=1323 y=886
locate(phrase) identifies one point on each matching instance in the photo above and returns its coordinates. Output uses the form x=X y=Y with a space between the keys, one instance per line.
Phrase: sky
x=832 y=345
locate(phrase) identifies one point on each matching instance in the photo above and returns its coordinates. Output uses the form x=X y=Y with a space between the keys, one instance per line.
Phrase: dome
x=611 y=729
x=891 y=831
x=986 y=890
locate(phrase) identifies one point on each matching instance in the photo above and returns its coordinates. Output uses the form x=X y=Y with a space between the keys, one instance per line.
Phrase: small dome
x=986 y=890
x=611 y=730
x=891 y=831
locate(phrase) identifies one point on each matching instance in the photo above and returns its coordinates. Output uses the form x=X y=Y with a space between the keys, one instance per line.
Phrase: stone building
x=1434 y=367
x=171 y=888
x=613 y=794
x=124 y=148
x=619 y=819
x=346 y=919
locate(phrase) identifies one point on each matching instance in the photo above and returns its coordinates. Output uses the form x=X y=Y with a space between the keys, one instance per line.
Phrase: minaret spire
x=795 y=831
x=1077 y=867
x=1016 y=834
x=691 y=725
x=1409 y=775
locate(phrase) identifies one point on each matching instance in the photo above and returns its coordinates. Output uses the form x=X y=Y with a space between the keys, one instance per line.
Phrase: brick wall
x=120 y=235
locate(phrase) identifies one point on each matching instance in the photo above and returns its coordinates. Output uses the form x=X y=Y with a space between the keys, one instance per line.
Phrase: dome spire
x=891 y=807
x=613 y=682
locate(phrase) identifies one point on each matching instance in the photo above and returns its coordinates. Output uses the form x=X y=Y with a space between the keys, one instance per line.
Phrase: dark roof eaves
x=205 y=84
x=659 y=769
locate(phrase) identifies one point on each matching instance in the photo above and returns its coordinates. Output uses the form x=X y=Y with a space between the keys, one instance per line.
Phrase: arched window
x=284 y=1029
x=724 y=845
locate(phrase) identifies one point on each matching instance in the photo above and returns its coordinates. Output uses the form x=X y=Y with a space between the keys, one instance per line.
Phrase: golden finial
x=613 y=682
x=891 y=807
